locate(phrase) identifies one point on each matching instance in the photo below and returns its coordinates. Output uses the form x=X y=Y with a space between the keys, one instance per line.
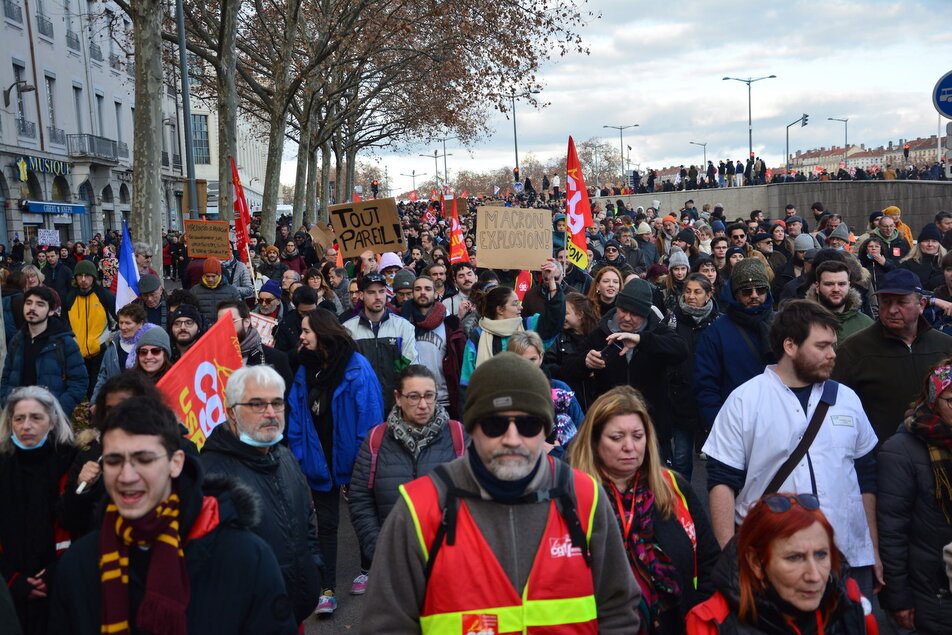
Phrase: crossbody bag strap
x=800 y=451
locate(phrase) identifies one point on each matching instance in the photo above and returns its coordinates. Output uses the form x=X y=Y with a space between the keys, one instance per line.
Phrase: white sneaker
x=360 y=585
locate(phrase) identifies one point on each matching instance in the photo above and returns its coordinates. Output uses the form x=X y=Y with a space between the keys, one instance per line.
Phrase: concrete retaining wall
x=854 y=200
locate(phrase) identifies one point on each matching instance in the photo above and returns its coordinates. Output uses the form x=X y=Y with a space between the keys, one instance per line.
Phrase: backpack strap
x=459 y=441
x=60 y=358
x=376 y=439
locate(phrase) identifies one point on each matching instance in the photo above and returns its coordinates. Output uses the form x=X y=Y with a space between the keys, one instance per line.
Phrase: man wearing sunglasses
x=247 y=447
x=468 y=534
x=735 y=347
x=763 y=421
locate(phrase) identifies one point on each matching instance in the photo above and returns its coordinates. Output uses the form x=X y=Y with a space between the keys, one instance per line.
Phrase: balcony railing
x=26 y=129
x=114 y=61
x=123 y=149
x=12 y=11
x=95 y=52
x=87 y=145
x=165 y=159
x=44 y=25
x=72 y=40
x=57 y=135
x=176 y=161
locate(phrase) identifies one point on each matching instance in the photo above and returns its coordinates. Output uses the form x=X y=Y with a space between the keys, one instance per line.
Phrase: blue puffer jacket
x=59 y=365
x=723 y=359
x=357 y=406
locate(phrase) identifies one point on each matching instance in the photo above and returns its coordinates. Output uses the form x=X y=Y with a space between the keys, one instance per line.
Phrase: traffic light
x=905 y=151
x=803 y=121
x=374 y=187
x=515 y=174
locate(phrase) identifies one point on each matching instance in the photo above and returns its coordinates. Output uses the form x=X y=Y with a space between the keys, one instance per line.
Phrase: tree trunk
x=343 y=194
x=351 y=158
x=300 y=179
x=311 y=188
x=278 y=120
x=227 y=105
x=146 y=213
x=325 y=180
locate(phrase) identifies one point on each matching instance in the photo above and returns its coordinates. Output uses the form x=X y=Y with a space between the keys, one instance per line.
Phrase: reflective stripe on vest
x=469 y=591
x=684 y=517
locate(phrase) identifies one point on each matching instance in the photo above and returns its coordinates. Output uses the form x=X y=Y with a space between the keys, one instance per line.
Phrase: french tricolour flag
x=127 y=285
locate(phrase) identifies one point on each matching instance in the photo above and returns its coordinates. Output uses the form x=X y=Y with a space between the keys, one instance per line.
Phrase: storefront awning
x=52 y=207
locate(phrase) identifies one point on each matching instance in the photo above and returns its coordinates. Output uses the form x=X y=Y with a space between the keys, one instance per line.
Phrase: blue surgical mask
x=20 y=445
x=249 y=440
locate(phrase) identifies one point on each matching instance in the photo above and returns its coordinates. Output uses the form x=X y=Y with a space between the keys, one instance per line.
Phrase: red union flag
x=523 y=282
x=578 y=210
x=242 y=216
x=413 y=196
x=458 y=251
x=195 y=387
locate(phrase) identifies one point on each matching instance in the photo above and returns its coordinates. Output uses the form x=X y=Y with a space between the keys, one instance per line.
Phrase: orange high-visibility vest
x=469 y=592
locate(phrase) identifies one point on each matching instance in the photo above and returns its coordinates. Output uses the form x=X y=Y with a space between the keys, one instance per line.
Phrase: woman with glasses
x=153 y=354
x=417 y=436
x=783 y=574
x=914 y=509
x=335 y=400
x=326 y=298
x=613 y=258
x=117 y=356
x=36 y=450
x=669 y=541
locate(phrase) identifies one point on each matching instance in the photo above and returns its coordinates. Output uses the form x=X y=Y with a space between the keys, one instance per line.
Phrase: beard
x=811 y=373
x=510 y=468
x=826 y=302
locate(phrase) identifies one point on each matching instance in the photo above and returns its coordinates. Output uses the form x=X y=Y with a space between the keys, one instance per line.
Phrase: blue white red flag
x=127 y=283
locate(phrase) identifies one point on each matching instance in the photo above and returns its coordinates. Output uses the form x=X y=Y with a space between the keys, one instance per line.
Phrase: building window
x=99 y=115
x=200 y=139
x=50 y=91
x=18 y=78
x=119 y=121
x=78 y=105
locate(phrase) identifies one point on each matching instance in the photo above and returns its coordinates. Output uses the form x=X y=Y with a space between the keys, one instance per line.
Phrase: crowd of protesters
x=512 y=459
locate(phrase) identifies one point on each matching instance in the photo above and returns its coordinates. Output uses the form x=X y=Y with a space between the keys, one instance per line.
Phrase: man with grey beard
x=466 y=534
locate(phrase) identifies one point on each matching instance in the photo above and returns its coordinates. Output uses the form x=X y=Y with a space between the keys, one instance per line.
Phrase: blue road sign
x=942 y=96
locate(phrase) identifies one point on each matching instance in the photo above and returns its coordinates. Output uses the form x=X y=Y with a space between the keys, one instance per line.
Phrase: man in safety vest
x=503 y=539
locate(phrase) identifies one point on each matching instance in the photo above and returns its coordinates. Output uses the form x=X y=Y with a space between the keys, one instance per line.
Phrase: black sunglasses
x=780 y=503
x=749 y=291
x=496 y=425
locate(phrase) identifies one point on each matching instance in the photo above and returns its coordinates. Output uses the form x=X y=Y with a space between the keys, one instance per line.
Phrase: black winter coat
x=912 y=532
x=370 y=507
x=684 y=406
x=236 y=586
x=287 y=521
x=566 y=345
x=660 y=348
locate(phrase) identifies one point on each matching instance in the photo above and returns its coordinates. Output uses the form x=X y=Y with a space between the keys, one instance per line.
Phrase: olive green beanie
x=508 y=382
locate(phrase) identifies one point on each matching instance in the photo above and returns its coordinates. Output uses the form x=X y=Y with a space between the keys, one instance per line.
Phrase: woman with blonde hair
x=925 y=259
x=668 y=538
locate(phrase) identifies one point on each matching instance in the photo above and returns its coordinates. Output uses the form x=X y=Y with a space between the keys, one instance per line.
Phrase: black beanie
x=930 y=232
x=508 y=382
x=635 y=297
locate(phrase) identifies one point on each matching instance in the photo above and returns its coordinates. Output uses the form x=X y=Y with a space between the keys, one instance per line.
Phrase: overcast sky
x=661 y=66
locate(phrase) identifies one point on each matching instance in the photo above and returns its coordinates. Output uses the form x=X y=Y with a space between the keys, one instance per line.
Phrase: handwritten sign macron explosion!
x=513 y=238
x=373 y=225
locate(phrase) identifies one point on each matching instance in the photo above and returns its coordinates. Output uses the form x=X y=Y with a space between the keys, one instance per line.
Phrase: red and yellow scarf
x=167 y=591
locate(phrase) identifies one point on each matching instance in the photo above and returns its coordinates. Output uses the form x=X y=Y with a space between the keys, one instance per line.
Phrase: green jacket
x=851 y=318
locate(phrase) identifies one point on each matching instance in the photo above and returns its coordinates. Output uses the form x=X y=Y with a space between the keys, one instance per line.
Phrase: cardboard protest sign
x=265 y=327
x=208 y=239
x=322 y=235
x=367 y=225
x=513 y=238
x=195 y=386
x=48 y=236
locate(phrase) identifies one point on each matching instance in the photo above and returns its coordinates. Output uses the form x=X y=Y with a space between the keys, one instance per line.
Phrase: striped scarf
x=929 y=428
x=167 y=591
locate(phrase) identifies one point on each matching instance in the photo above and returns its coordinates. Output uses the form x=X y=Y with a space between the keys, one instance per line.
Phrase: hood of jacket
x=854 y=302
x=223 y=441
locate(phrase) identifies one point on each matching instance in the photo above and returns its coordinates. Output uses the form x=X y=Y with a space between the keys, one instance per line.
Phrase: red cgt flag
x=433 y=196
x=242 y=216
x=458 y=251
x=414 y=196
x=196 y=388
x=523 y=282
x=578 y=210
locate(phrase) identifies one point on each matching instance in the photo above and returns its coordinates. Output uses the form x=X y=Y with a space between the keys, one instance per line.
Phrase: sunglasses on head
x=780 y=503
x=749 y=291
x=496 y=425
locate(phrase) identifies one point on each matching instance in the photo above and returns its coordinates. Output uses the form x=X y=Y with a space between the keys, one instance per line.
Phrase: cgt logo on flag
x=480 y=624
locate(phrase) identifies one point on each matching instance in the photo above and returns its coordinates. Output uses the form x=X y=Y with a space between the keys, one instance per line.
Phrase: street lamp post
x=802 y=121
x=846 y=138
x=515 y=135
x=436 y=164
x=446 y=176
x=621 y=146
x=413 y=174
x=750 y=121
x=704 y=146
